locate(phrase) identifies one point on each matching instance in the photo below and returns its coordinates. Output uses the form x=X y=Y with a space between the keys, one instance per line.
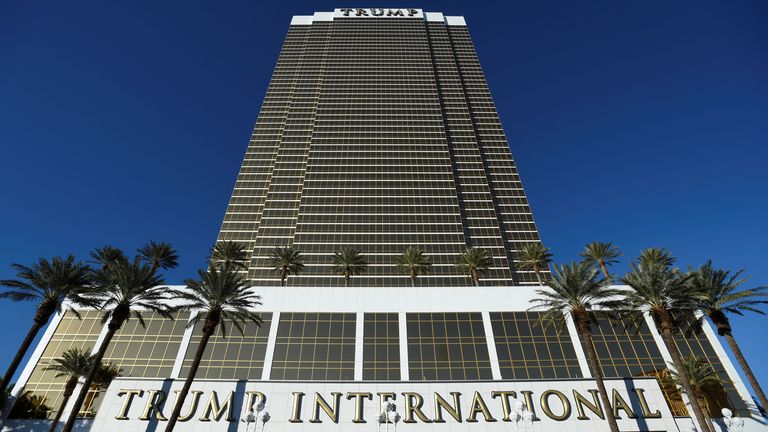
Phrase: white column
x=265 y=372
x=359 y=327
x=578 y=348
x=730 y=369
x=403 y=327
x=490 y=342
x=181 y=354
x=665 y=354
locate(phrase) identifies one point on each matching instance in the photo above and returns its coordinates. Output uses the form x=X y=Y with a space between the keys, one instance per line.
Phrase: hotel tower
x=378 y=131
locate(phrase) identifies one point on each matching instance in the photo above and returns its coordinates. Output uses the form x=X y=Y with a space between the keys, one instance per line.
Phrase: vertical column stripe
x=270 y=353
x=490 y=341
x=403 y=323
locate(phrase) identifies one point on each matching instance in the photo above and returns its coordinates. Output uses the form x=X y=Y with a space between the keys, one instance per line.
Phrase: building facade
x=378 y=132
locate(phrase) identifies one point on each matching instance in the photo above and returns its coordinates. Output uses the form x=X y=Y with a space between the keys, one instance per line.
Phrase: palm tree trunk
x=188 y=382
x=604 y=268
x=705 y=410
x=113 y=327
x=475 y=278
x=283 y=276
x=669 y=341
x=346 y=278
x=69 y=388
x=413 y=278
x=36 y=326
x=745 y=367
x=537 y=271
x=582 y=325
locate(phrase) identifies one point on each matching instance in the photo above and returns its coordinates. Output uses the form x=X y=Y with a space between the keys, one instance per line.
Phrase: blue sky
x=640 y=123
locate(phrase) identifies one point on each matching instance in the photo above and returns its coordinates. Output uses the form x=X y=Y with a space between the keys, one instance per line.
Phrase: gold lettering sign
x=216 y=409
x=593 y=406
x=320 y=403
x=505 y=402
x=254 y=398
x=644 y=404
x=130 y=393
x=296 y=411
x=478 y=406
x=385 y=396
x=620 y=404
x=412 y=408
x=528 y=395
x=154 y=401
x=192 y=406
x=359 y=397
x=441 y=404
x=548 y=411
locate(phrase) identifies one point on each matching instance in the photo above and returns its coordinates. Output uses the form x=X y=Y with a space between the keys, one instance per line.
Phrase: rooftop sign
x=377 y=13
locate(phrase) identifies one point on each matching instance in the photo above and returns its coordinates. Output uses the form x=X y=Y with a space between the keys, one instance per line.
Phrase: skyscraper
x=378 y=131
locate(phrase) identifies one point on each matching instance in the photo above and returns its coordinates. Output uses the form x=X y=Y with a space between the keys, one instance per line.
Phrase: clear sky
x=641 y=123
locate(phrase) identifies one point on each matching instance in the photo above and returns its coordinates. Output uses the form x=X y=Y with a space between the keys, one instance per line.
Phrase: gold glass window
x=626 y=348
x=315 y=347
x=70 y=333
x=236 y=356
x=140 y=352
x=695 y=342
x=381 y=347
x=447 y=347
x=530 y=349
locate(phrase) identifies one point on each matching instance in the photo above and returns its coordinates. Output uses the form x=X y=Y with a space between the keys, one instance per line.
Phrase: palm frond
x=601 y=251
x=349 y=260
x=159 y=255
x=474 y=259
x=229 y=254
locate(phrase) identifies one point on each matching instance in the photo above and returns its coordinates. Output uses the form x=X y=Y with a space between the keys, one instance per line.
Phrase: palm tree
x=349 y=261
x=159 y=255
x=536 y=257
x=229 y=254
x=106 y=255
x=474 y=261
x=723 y=297
x=222 y=295
x=73 y=364
x=576 y=288
x=602 y=255
x=49 y=283
x=30 y=406
x=123 y=288
x=665 y=292
x=287 y=261
x=104 y=376
x=413 y=262
x=656 y=257
x=702 y=378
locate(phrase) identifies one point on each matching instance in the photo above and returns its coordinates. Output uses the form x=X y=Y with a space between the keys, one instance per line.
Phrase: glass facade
x=393 y=144
x=531 y=349
x=381 y=347
x=447 y=347
x=694 y=342
x=70 y=333
x=140 y=352
x=315 y=347
x=626 y=348
x=234 y=356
